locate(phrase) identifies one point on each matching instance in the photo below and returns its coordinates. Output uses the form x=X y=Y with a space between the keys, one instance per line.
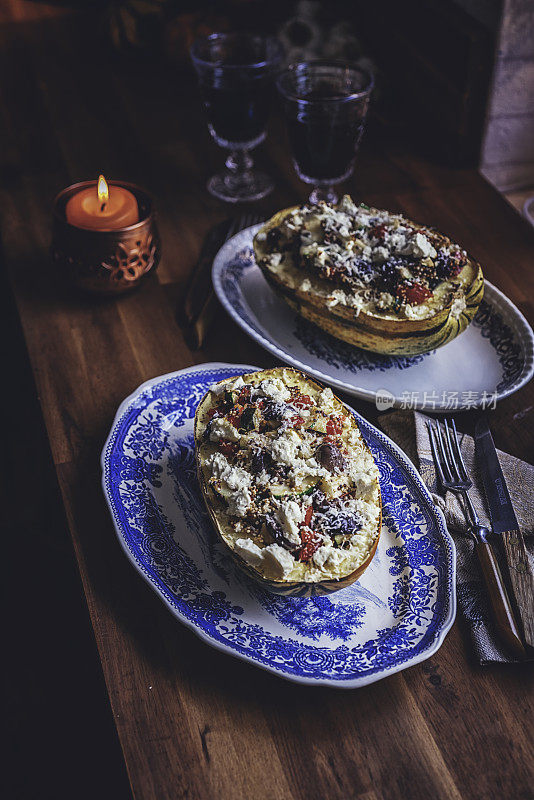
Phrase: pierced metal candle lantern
x=106 y=262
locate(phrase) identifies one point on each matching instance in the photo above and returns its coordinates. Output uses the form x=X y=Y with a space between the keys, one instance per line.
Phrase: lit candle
x=100 y=207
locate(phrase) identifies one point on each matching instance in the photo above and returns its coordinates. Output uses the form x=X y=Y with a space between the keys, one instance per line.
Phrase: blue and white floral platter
x=493 y=358
x=396 y=615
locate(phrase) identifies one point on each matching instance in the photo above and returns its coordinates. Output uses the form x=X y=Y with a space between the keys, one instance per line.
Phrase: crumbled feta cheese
x=335 y=558
x=347 y=204
x=419 y=246
x=363 y=480
x=380 y=254
x=236 y=482
x=362 y=219
x=417 y=312
x=221 y=428
x=249 y=551
x=321 y=555
x=218 y=465
x=275 y=389
x=458 y=307
x=335 y=297
x=395 y=240
x=237 y=478
x=285 y=448
x=290 y=516
x=239 y=503
x=263 y=478
x=325 y=401
x=229 y=386
x=277 y=561
x=385 y=301
x=367 y=510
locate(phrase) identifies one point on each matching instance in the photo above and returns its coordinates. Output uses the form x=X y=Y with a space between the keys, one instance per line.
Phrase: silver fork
x=453 y=476
x=199 y=302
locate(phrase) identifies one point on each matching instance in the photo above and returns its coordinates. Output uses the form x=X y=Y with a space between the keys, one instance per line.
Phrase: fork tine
x=452 y=459
x=441 y=447
x=456 y=442
x=435 y=456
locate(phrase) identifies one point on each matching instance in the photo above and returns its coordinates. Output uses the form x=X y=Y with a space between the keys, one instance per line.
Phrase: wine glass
x=236 y=75
x=325 y=104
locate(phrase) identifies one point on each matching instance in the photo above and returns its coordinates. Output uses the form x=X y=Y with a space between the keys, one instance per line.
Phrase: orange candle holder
x=106 y=261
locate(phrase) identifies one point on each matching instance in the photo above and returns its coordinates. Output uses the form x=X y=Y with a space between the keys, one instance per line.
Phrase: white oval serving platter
x=493 y=358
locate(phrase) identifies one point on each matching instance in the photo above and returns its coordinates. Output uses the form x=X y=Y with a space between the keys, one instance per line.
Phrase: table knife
x=198 y=309
x=199 y=303
x=504 y=523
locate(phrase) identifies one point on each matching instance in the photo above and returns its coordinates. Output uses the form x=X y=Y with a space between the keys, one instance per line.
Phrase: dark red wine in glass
x=325 y=105
x=237 y=114
x=236 y=78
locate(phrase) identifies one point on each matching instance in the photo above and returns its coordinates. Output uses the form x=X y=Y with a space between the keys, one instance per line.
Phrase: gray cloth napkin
x=408 y=429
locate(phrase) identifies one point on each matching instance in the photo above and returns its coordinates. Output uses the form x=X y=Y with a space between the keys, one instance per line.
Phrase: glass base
x=241 y=188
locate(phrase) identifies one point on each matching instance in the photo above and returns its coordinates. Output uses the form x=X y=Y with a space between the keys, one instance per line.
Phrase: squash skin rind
x=281 y=587
x=395 y=337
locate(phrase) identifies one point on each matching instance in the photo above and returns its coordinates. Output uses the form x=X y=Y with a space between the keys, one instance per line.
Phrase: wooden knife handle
x=522 y=580
x=500 y=603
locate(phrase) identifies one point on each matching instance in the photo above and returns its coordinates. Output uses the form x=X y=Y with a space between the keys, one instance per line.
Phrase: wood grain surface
x=192 y=722
x=521 y=580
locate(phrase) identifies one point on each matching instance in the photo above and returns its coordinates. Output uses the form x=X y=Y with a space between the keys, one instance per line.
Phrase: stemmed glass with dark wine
x=325 y=105
x=236 y=74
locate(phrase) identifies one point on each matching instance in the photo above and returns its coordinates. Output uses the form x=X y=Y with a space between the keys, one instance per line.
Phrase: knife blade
x=504 y=523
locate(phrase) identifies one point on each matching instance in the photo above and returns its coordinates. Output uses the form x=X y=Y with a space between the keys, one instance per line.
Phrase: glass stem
x=323 y=193
x=239 y=164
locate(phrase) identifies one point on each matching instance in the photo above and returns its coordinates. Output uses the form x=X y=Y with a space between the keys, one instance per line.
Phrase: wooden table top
x=191 y=721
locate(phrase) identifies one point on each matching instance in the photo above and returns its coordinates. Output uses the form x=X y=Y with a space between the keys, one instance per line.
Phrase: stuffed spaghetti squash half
x=370 y=278
x=289 y=483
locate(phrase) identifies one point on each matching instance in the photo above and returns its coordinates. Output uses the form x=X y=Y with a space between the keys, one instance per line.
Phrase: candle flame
x=102 y=189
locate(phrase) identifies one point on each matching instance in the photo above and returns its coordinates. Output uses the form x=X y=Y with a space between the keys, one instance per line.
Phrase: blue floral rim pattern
x=148 y=445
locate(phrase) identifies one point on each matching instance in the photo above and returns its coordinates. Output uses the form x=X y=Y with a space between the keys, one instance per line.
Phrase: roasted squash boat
x=289 y=483
x=370 y=278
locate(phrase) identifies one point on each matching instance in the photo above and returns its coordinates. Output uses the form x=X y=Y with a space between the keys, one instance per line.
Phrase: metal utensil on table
x=200 y=302
x=453 y=476
x=504 y=523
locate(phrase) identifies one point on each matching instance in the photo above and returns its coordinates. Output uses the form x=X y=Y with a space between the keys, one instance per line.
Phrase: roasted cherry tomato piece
x=310 y=542
x=302 y=401
x=244 y=396
x=413 y=293
x=296 y=422
x=235 y=415
x=378 y=232
x=334 y=426
x=228 y=448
